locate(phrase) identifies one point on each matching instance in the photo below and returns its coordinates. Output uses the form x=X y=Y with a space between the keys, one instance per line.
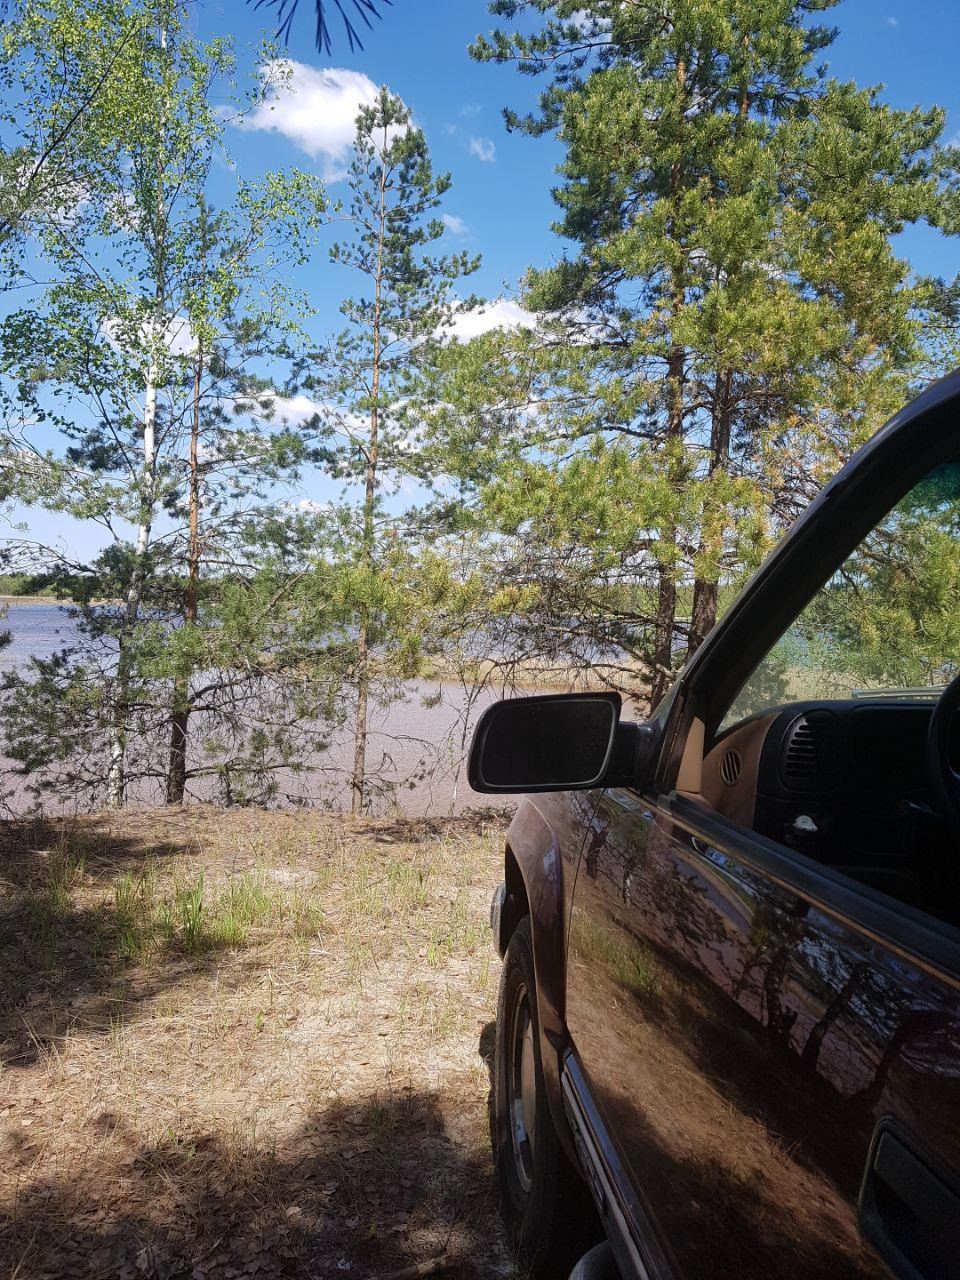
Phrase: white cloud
x=179 y=337
x=504 y=313
x=892 y=22
x=483 y=149
x=456 y=226
x=299 y=409
x=173 y=332
x=316 y=108
x=294 y=409
x=589 y=26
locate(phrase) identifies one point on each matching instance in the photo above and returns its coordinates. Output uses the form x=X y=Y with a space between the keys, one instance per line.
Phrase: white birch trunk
x=116 y=775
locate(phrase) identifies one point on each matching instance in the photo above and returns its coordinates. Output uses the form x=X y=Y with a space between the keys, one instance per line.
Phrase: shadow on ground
x=25 y=845
x=364 y=1189
x=400 y=829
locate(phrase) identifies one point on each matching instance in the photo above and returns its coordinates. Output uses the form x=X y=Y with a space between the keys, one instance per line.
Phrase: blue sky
x=500 y=203
x=501 y=182
x=419 y=50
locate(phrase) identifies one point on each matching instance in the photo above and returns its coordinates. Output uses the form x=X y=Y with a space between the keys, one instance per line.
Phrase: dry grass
x=243 y=1044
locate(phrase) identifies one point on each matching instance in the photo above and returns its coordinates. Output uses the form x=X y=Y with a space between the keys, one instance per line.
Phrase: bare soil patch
x=246 y=1044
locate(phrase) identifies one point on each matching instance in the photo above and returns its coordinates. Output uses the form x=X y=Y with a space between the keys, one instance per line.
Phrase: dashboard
x=829 y=779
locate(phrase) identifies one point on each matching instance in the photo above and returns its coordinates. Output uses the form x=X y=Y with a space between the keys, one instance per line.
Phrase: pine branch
x=365 y=9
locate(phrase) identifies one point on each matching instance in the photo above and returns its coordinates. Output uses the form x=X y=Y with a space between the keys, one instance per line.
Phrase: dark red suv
x=730 y=1004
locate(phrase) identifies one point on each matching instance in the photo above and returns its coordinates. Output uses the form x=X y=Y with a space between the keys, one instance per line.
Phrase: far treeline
x=573 y=501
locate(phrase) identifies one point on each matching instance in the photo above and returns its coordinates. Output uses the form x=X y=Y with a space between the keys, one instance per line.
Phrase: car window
x=887 y=622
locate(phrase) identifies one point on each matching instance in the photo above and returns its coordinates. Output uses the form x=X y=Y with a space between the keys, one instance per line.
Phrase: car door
x=765 y=1054
x=761 y=1060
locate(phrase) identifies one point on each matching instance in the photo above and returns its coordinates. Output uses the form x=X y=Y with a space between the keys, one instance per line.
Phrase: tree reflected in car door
x=745 y=1047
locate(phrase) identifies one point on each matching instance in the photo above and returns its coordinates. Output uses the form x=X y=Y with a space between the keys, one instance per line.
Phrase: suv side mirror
x=557 y=742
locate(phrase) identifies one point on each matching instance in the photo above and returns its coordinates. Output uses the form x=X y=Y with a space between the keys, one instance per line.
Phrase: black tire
x=544 y=1202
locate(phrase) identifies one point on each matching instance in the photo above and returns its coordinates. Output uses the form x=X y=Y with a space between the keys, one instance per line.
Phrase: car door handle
x=910 y=1213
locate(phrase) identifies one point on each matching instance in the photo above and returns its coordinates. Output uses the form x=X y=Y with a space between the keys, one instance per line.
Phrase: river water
x=36 y=630
x=415 y=745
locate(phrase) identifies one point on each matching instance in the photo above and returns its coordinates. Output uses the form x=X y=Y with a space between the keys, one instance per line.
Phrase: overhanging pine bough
x=286 y=11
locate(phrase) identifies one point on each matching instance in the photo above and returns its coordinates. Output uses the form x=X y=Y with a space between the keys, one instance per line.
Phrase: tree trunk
x=914 y=1024
x=180 y=718
x=358 y=786
x=705 y=586
x=703 y=614
x=810 y=1056
x=663 y=636
x=116 y=775
x=666 y=613
x=179 y=721
x=360 y=732
x=780 y=1021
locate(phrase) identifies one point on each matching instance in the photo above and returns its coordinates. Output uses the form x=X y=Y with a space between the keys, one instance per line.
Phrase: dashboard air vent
x=731 y=766
x=810 y=754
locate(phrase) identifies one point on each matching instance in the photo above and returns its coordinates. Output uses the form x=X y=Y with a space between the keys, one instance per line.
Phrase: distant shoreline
x=5 y=599
x=53 y=600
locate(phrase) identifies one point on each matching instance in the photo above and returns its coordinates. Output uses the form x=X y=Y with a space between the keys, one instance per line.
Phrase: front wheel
x=545 y=1202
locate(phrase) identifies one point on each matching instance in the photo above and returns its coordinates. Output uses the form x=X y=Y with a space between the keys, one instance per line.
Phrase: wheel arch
x=533 y=870
x=517 y=903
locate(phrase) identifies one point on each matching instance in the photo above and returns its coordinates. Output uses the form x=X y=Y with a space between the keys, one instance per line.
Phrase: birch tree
x=44 y=155
x=145 y=344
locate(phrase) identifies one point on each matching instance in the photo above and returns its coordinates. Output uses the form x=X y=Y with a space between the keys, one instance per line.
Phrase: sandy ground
x=246 y=1044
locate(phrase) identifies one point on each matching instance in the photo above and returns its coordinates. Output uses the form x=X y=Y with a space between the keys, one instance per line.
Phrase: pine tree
x=731 y=319
x=352 y=14
x=369 y=381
